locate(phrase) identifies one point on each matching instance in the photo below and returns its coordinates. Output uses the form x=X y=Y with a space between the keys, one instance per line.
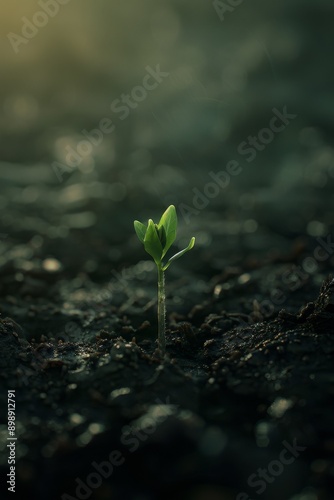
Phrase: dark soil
x=237 y=386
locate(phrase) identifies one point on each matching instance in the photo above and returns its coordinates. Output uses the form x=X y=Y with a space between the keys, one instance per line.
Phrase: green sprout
x=157 y=240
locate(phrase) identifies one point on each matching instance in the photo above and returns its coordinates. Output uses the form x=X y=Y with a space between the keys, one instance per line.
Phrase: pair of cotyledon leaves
x=158 y=238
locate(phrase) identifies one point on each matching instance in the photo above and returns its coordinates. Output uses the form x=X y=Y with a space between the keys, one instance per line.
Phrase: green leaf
x=169 y=222
x=161 y=234
x=140 y=230
x=152 y=242
x=179 y=254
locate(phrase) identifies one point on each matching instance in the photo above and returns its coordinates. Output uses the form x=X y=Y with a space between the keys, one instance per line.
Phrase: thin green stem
x=161 y=311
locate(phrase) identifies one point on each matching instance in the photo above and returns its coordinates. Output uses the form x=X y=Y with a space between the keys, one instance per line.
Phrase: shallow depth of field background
x=225 y=77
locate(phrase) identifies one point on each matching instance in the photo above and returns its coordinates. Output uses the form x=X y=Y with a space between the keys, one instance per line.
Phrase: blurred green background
x=226 y=73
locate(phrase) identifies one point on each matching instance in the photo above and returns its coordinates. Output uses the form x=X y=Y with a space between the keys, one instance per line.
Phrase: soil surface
x=247 y=374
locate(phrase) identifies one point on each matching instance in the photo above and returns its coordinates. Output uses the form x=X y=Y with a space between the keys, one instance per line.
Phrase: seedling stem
x=157 y=239
x=161 y=310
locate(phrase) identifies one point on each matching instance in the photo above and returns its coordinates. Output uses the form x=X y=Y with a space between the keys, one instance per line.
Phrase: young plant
x=157 y=239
